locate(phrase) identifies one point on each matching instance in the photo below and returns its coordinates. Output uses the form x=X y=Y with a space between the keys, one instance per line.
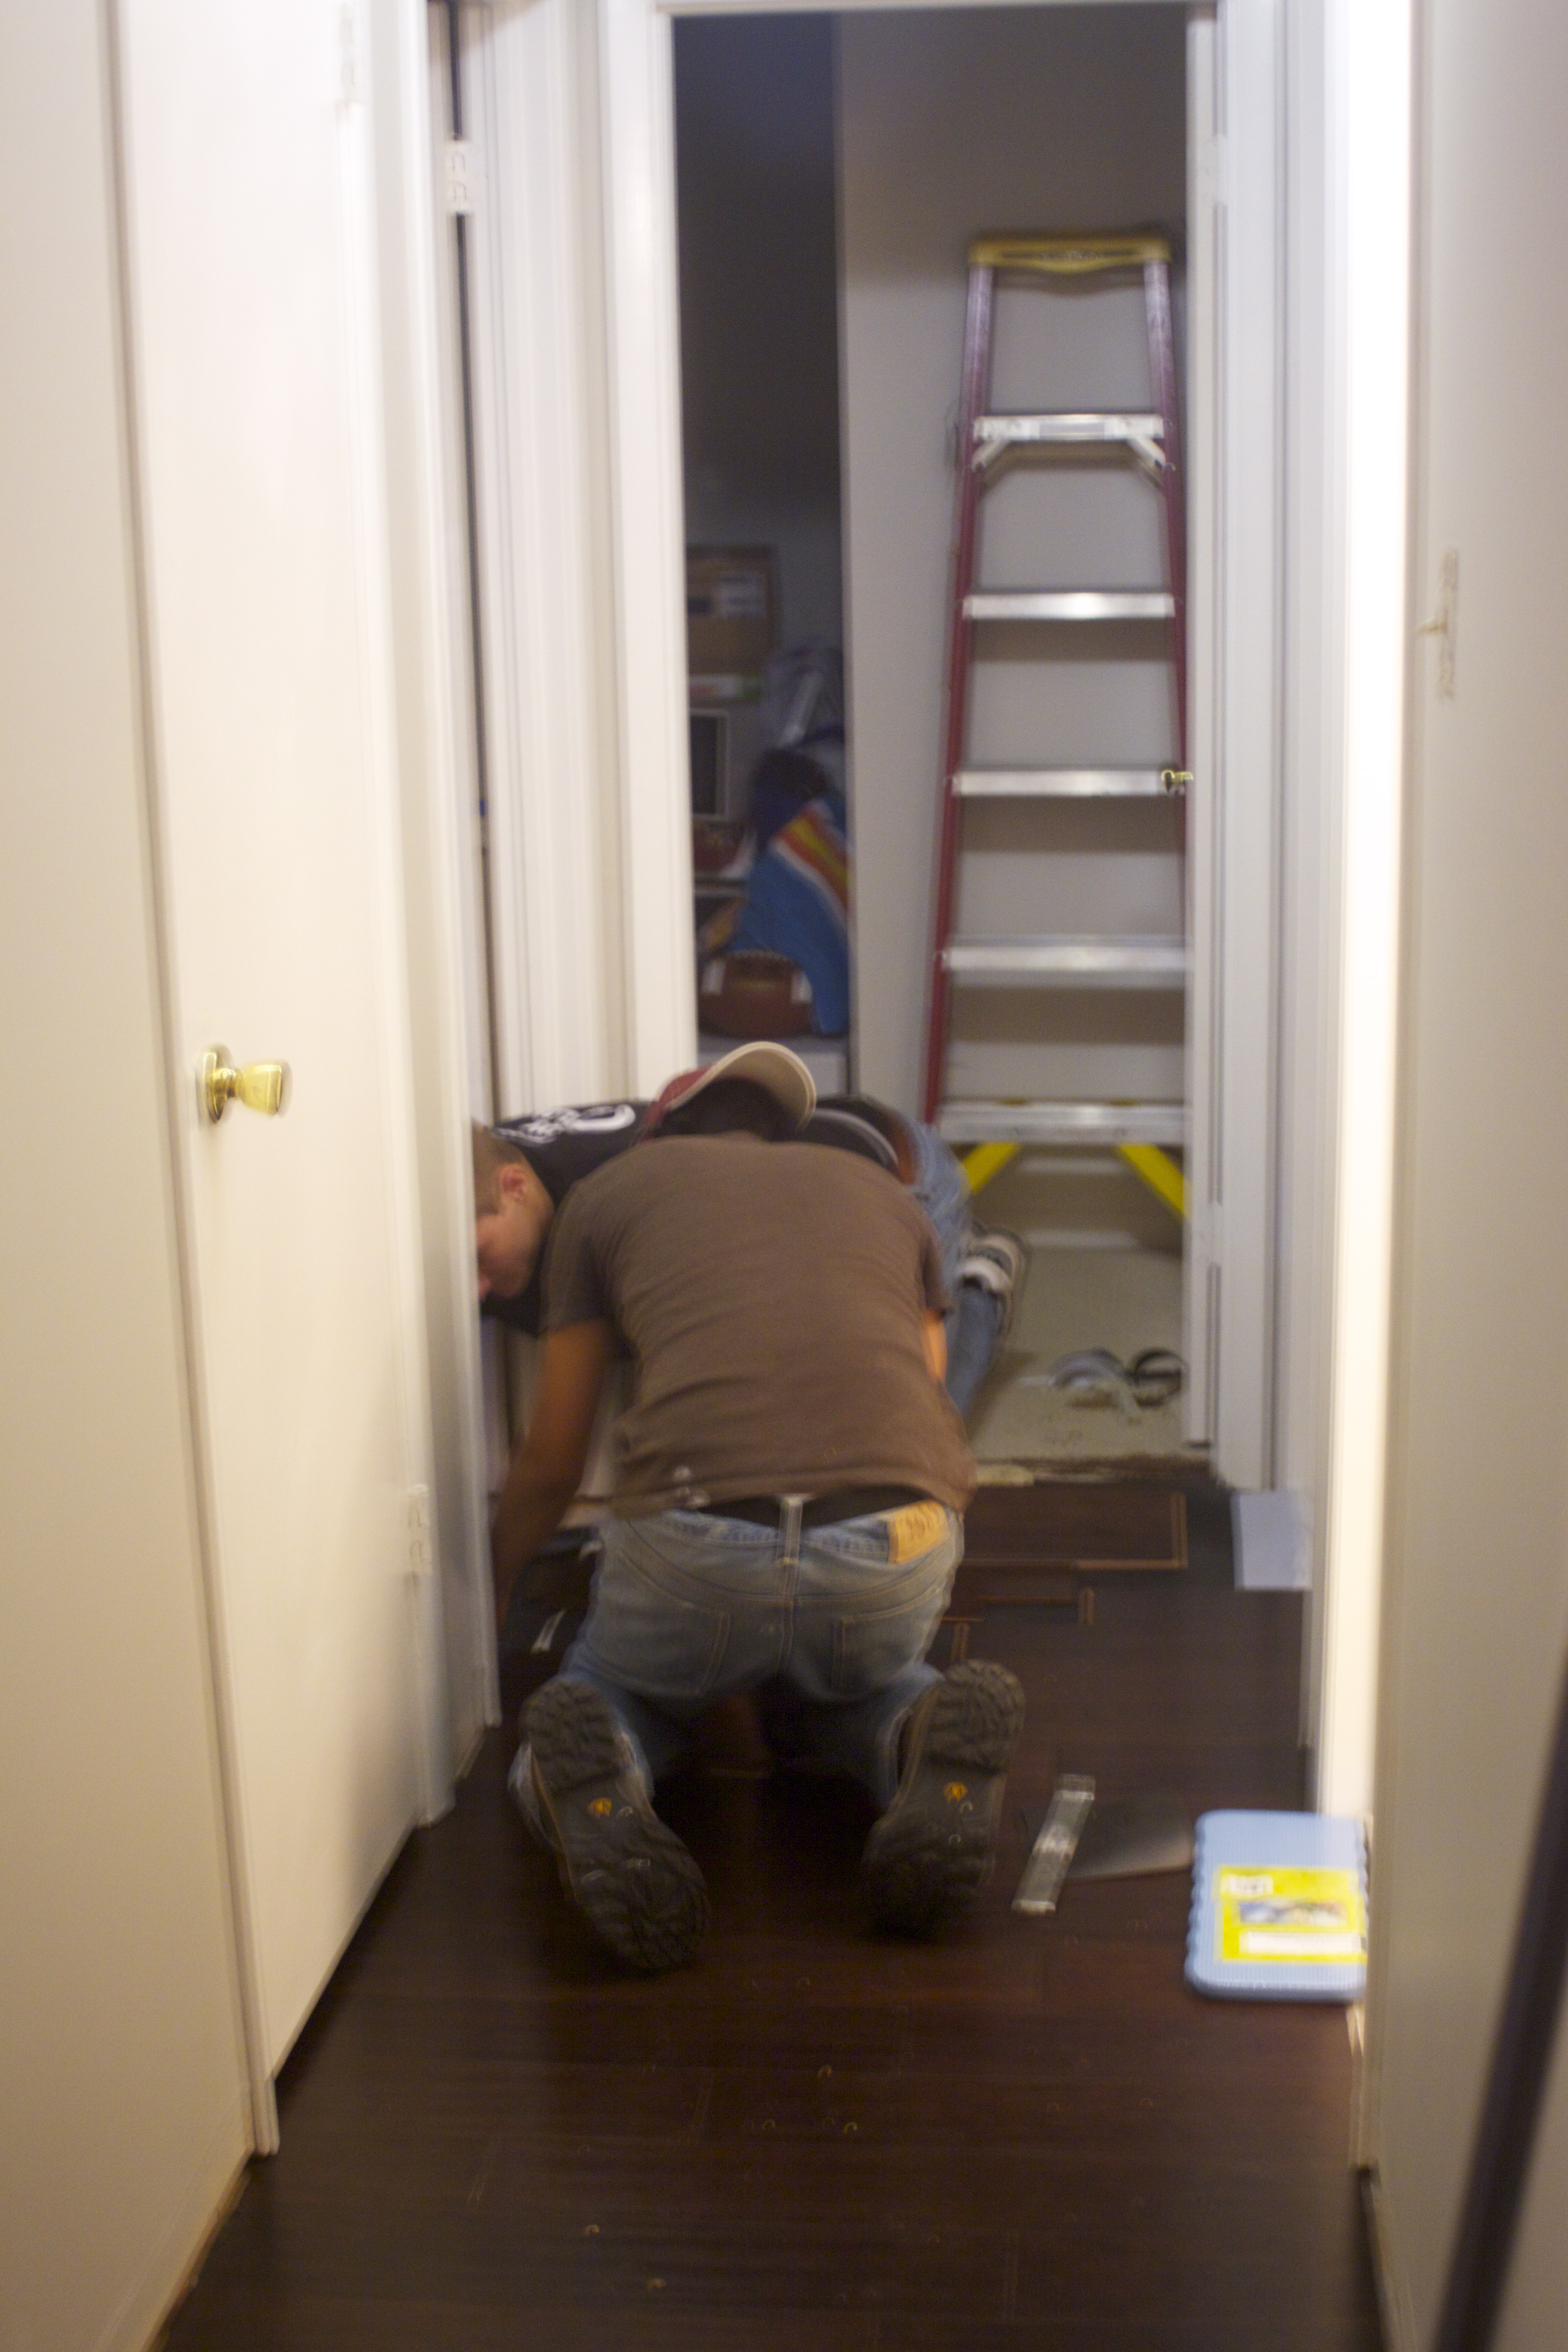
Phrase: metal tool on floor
x=987 y=444
x=1128 y=1837
x=1053 y=1850
x=1134 y=1837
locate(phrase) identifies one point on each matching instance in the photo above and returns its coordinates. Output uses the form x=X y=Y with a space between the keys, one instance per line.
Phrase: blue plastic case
x=1279 y=1904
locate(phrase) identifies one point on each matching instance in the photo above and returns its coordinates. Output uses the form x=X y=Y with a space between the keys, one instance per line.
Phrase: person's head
x=733 y=1107
x=761 y=1089
x=511 y=1215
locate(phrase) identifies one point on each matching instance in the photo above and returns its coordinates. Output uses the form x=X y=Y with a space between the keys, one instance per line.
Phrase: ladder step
x=1142 y=431
x=1063 y=1122
x=1070 y=255
x=1060 y=783
x=1070 y=604
x=1067 y=962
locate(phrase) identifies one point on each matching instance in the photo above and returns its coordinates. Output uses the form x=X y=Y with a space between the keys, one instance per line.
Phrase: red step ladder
x=986 y=442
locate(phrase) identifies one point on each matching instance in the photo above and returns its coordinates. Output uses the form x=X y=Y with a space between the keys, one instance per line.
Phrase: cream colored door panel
x=251 y=266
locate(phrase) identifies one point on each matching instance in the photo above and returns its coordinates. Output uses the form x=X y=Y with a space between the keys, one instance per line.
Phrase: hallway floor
x=1030 y=2136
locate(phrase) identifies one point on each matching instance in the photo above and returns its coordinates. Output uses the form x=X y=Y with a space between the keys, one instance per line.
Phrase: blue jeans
x=974 y=1323
x=830 y=1626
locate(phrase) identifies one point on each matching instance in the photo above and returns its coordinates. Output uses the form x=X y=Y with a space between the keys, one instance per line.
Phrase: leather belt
x=821 y=1510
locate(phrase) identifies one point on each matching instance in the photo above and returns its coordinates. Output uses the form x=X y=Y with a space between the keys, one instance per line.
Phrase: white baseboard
x=172 y=2265
x=1393 y=2291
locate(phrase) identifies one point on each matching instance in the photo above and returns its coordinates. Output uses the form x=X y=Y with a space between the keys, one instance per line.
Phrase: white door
x=1476 y=1612
x=251 y=270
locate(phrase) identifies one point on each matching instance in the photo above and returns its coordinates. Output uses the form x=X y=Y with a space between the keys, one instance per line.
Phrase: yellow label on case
x=1286 y=1916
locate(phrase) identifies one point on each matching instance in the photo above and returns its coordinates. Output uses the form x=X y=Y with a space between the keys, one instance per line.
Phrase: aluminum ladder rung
x=1163 y=1123
x=1061 y=784
x=1070 y=604
x=1065 y=961
x=1143 y=433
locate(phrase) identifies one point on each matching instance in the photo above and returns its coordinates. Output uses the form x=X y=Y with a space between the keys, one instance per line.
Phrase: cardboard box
x=732 y=608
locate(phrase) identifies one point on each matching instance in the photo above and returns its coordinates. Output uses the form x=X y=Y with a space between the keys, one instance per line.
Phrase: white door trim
x=1236 y=429
x=371 y=387
x=637 y=143
x=1372 y=265
x=1349 y=88
x=445 y=984
x=545 y=618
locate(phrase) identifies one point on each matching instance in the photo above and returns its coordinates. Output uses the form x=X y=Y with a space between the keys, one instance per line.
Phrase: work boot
x=632 y=1878
x=929 y=1856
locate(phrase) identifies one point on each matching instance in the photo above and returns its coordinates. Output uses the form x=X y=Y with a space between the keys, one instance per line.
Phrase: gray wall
x=951 y=123
x=121 y=2081
x=1475 y=1634
x=755 y=165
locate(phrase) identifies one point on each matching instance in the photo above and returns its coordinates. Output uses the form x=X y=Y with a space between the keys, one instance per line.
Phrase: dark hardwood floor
x=1031 y=2135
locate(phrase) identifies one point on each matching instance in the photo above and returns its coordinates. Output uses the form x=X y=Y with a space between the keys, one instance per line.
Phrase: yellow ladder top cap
x=1067 y=255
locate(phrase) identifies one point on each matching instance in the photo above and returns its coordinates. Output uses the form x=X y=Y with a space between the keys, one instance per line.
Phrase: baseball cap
x=773 y=1068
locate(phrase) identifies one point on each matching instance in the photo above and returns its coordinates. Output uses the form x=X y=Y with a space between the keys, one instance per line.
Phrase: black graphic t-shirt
x=562 y=1146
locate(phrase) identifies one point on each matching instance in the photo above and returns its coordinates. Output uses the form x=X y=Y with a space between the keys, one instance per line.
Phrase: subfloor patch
x=1121 y=1299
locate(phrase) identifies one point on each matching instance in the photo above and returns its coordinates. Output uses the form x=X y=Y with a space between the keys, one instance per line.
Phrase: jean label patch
x=914 y=1530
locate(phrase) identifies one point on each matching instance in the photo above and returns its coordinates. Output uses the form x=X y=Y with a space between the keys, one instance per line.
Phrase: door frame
x=1289 y=1167
x=442 y=884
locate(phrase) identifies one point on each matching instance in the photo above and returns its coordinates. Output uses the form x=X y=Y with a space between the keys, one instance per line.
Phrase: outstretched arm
x=548 y=1462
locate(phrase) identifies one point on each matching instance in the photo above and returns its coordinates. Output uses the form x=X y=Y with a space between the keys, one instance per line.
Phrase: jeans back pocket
x=888 y=1626
x=651 y=1641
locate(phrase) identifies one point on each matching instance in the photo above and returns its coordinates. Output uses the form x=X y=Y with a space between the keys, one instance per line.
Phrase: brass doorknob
x=259 y=1085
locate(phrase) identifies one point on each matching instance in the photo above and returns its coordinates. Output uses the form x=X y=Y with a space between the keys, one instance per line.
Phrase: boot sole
x=931 y=1853
x=632 y=1878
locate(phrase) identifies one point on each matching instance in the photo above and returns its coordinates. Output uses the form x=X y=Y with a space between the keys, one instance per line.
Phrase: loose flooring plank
x=1067 y=1523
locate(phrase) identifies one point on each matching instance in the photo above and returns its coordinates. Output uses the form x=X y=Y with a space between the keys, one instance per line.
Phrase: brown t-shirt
x=770 y=1297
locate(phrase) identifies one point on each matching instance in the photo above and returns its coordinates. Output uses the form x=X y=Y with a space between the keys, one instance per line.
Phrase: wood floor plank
x=757 y=2262
x=375 y=2324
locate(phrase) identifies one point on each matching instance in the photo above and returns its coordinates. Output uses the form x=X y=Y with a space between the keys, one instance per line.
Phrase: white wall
x=122 y=2076
x=759 y=325
x=1475 y=1627
x=954 y=122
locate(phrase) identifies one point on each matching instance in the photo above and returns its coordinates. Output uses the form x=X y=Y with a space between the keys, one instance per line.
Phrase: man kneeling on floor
x=790 y=1479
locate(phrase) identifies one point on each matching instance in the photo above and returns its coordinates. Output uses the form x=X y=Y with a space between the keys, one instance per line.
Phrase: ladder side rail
x=1162 y=375
x=976 y=388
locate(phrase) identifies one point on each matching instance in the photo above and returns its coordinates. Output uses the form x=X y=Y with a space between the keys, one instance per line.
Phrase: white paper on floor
x=1271 y=1540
